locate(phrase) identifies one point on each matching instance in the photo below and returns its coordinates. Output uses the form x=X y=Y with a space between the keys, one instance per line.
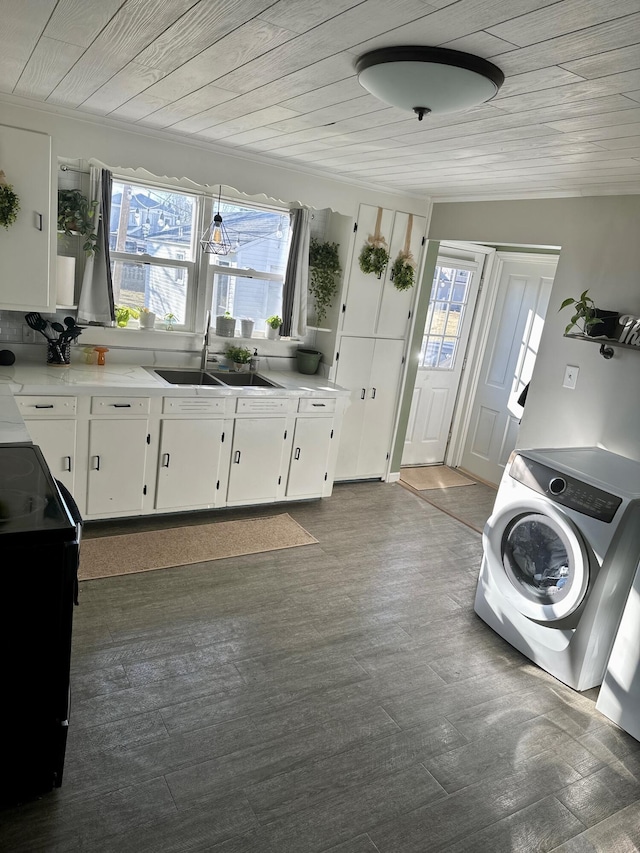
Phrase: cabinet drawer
x=317 y=404
x=194 y=405
x=119 y=405
x=262 y=404
x=45 y=407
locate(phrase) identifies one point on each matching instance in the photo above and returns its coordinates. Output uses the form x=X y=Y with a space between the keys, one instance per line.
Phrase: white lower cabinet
x=57 y=440
x=371 y=368
x=309 y=464
x=255 y=471
x=117 y=459
x=189 y=463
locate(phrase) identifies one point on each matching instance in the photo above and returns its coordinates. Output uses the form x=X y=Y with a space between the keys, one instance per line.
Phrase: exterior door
x=449 y=317
x=523 y=290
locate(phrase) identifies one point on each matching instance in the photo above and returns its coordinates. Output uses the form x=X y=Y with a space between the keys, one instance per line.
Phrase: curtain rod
x=64 y=168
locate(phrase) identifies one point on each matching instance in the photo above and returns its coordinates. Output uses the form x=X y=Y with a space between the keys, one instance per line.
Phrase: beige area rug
x=125 y=554
x=433 y=477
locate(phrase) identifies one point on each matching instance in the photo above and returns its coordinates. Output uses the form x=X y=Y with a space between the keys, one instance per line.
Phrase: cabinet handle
x=38 y=221
x=373 y=393
x=236 y=457
x=296 y=455
x=43 y=406
x=121 y=405
x=67 y=463
x=363 y=393
x=165 y=460
x=96 y=463
x=318 y=405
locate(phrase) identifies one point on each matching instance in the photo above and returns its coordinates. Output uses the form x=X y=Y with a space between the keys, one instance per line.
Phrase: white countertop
x=129 y=379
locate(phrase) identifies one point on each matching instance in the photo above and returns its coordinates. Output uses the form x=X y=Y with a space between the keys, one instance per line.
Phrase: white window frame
x=193 y=308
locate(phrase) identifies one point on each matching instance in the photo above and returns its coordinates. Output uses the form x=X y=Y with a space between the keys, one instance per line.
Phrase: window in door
x=443 y=327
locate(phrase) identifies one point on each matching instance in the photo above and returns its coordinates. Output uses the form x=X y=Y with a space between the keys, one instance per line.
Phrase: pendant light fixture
x=215 y=240
x=428 y=79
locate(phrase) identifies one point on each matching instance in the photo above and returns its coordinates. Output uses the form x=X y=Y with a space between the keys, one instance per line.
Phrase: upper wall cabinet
x=26 y=246
x=374 y=306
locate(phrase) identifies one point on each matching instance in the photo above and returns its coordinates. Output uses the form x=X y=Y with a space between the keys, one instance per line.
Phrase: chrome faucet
x=204 y=357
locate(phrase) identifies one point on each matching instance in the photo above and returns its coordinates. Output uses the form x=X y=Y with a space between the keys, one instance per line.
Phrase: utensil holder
x=58 y=353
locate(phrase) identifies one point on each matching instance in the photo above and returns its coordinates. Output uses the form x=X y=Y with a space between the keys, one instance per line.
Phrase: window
x=152 y=238
x=248 y=281
x=449 y=296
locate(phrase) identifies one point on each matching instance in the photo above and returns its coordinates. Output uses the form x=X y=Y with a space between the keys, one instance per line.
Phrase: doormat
x=433 y=477
x=128 y=553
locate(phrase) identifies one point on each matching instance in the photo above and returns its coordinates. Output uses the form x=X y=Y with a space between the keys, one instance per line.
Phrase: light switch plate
x=570 y=376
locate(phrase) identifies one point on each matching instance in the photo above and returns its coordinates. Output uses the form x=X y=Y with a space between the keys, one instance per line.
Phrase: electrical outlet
x=570 y=376
x=28 y=335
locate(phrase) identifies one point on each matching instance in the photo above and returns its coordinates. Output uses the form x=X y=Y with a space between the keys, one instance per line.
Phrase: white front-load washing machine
x=560 y=553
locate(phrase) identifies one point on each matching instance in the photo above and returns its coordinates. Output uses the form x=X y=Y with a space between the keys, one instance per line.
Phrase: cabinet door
x=380 y=408
x=309 y=456
x=188 y=465
x=256 y=459
x=395 y=305
x=354 y=371
x=364 y=290
x=117 y=456
x=25 y=247
x=57 y=440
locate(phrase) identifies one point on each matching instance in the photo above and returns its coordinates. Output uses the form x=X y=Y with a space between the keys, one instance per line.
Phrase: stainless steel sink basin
x=194 y=376
x=186 y=376
x=243 y=380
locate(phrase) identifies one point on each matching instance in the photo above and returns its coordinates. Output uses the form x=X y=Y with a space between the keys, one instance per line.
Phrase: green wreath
x=373 y=259
x=9 y=205
x=402 y=273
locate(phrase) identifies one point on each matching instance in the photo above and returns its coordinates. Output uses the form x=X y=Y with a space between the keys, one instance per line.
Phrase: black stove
x=39 y=549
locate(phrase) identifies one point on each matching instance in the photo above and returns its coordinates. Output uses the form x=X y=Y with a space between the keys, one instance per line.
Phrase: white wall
x=164 y=155
x=600 y=240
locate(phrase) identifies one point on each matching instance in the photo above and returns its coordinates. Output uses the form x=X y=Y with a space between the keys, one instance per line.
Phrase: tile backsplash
x=11 y=323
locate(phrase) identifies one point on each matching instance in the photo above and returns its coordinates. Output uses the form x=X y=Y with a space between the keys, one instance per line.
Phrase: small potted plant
x=76 y=215
x=589 y=320
x=273 y=327
x=240 y=357
x=124 y=313
x=225 y=325
x=147 y=318
x=170 y=320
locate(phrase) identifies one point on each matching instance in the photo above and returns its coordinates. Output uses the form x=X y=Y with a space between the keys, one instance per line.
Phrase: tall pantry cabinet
x=376 y=318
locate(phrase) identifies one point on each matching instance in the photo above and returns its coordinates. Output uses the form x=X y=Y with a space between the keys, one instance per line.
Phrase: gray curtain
x=294 y=294
x=96 y=294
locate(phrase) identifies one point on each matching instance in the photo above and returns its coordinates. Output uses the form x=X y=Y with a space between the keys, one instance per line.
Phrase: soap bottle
x=254 y=364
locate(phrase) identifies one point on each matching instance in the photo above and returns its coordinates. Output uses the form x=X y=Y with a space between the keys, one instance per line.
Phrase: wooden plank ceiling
x=277 y=79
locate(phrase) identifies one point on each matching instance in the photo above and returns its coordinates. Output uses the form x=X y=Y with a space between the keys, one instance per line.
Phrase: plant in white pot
x=273 y=327
x=147 y=318
x=240 y=357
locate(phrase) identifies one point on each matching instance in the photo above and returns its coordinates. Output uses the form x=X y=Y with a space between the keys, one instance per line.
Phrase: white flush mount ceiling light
x=428 y=79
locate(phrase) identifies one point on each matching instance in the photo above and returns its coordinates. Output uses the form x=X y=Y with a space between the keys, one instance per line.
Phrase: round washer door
x=542 y=567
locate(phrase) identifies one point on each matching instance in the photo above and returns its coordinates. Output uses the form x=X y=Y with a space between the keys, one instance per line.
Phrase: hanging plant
x=402 y=271
x=374 y=255
x=324 y=266
x=76 y=215
x=9 y=203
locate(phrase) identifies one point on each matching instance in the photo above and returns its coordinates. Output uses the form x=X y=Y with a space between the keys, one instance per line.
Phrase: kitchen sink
x=193 y=376
x=186 y=376
x=243 y=380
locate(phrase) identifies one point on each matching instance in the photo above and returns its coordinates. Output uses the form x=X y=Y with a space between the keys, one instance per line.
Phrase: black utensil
x=57 y=327
x=36 y=322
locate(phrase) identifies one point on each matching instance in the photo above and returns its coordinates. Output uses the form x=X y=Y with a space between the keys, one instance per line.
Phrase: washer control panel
x=565 y=490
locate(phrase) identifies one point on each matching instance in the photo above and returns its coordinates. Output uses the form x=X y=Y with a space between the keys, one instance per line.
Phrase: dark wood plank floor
x=339 y=697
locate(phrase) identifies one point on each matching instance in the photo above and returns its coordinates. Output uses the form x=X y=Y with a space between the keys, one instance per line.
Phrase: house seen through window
x=248 y=282
x=152 y=241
